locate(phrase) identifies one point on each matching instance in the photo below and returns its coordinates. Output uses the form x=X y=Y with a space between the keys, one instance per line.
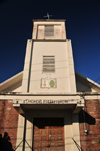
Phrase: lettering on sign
x=46 y=101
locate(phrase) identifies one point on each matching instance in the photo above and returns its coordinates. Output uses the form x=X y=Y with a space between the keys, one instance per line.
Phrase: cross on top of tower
x=48 y=15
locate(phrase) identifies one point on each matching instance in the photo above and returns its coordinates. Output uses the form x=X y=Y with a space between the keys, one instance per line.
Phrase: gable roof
x=82 y=79
x=88 y=82
x=11 y=81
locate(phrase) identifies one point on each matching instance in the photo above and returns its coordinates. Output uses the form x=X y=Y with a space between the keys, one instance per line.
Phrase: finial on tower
x=48 y=15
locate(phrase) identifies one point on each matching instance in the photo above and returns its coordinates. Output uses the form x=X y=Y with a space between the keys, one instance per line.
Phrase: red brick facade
x=90 y=142
x=8 y=120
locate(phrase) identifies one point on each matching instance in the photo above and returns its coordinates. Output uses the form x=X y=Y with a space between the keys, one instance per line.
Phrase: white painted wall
x=64 y=68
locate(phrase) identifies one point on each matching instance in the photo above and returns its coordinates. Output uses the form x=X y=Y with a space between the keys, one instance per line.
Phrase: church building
x=48 y=106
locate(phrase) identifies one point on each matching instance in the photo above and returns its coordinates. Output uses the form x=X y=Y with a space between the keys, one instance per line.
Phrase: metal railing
x=79 y=147
x=24 y=142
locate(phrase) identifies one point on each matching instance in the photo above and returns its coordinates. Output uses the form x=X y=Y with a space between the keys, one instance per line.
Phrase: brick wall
x=92 y=118
x=8 y=121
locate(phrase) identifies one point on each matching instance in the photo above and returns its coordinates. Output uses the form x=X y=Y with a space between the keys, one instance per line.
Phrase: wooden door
x=48 y=134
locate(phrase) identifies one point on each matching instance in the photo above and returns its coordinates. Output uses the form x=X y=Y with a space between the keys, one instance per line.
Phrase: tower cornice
x=49 y=20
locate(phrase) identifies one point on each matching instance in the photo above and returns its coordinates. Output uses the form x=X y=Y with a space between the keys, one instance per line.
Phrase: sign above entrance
x=40 y=101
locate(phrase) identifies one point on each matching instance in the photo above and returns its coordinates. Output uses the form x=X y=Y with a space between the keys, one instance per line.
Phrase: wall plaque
x=49 y=83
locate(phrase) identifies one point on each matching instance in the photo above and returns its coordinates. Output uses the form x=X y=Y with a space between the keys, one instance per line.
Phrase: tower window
x=49 y=31
x=48 y=63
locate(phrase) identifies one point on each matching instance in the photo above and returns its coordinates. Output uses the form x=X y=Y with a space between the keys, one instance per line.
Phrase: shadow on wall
x=5 y=144
x=88 y=118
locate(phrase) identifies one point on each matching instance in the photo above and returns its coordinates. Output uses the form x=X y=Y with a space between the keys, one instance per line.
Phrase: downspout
x=85 y=130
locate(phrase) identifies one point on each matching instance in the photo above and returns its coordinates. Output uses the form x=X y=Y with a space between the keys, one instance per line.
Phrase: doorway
x=48 y=134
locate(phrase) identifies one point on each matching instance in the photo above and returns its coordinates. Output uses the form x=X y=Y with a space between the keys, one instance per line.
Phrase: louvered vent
x=49 y=31
x=48 y=64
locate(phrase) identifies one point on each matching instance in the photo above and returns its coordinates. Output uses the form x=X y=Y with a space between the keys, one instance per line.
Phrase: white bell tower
x=49 y=66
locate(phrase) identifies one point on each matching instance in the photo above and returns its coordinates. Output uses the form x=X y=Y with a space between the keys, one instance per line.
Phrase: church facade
x=49 y=106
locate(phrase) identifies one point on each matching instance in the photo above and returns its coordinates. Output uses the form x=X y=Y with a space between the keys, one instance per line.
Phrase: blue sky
x=82 y=27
